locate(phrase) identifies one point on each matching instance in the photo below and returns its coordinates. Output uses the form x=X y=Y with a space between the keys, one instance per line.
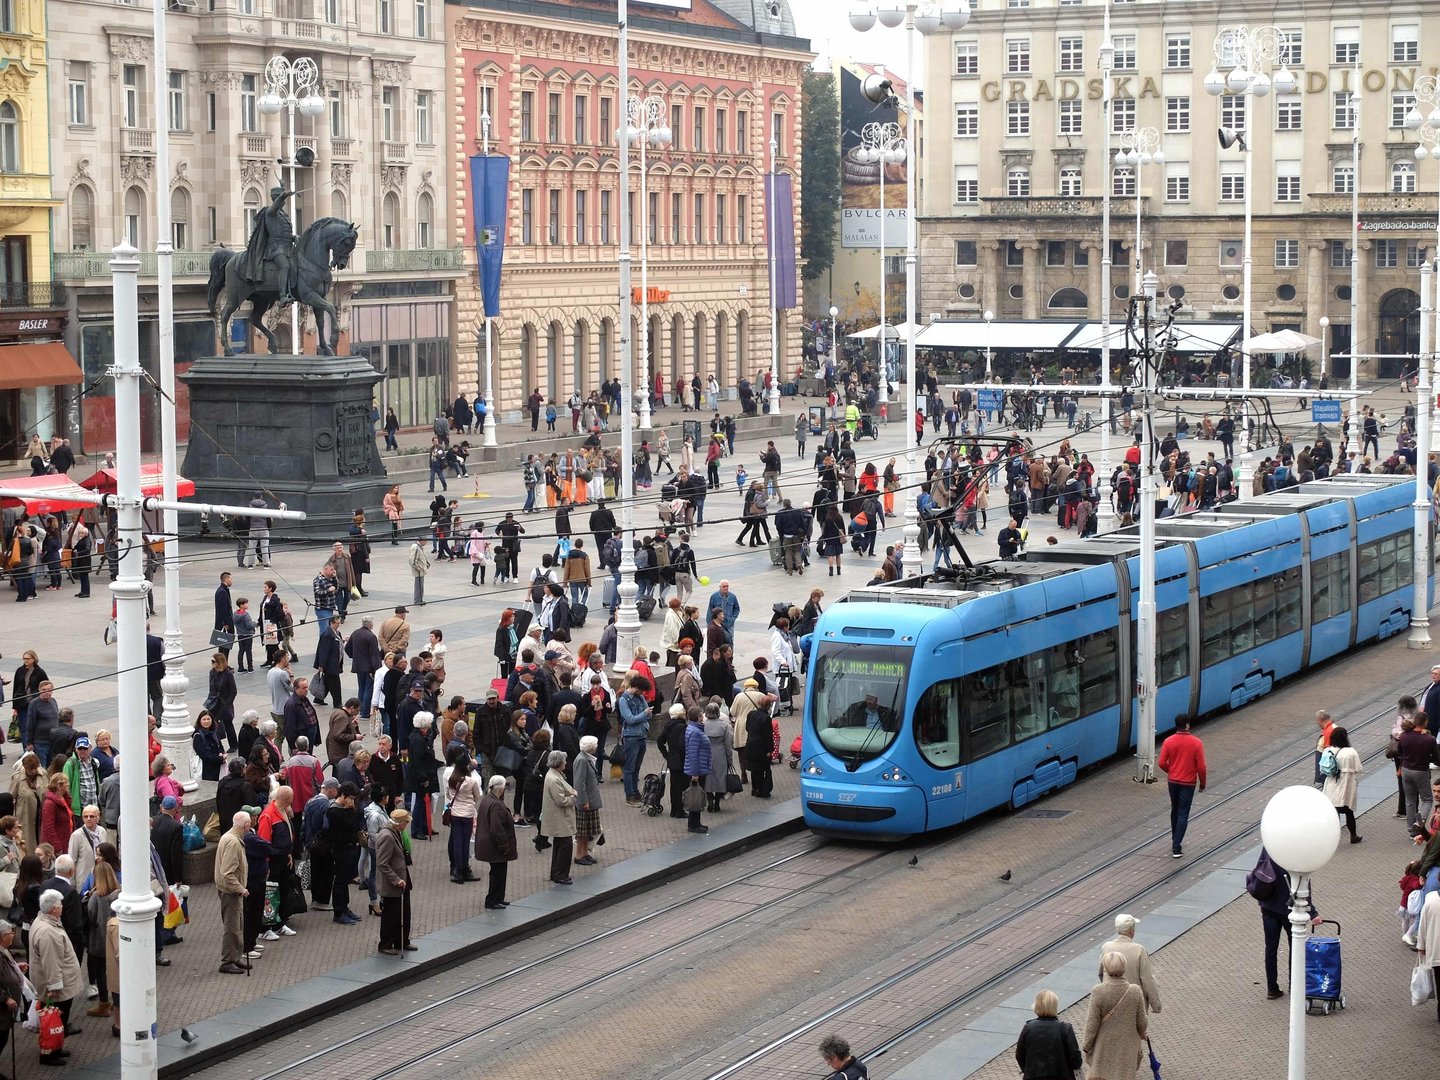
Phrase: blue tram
x=931 y=701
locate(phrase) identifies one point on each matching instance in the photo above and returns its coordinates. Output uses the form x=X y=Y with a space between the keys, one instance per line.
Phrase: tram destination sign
x=1324 y=412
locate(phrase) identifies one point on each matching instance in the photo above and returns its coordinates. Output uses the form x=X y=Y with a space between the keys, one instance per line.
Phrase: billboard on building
x=862 y=218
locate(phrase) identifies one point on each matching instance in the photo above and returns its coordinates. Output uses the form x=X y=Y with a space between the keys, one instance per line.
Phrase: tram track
x=1031 y=956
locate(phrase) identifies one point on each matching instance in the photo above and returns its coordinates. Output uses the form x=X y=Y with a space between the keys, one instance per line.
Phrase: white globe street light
x=645 y=130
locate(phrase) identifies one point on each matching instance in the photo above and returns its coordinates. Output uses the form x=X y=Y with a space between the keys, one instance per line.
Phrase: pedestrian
x=698 y=762
x=1182 y=759
x=341 y=836
x=557 y=817
x=836 y=1053
x=759 y=741
x=232 y=871
x=1116 y=1024
x=1416 y=752
x=586 y=771
x=54 y=968
x=1137 y=961
x=1340 y=765
x=258 y=853
x=419 y=566
x=392 y=873
x=422 y=774
x=720 y=734
x=1269 y=883
x=1047 y=1049
x=223 y=634
x=1326 y=725
x=634 y=731
x=463 y=805
x=495 y=840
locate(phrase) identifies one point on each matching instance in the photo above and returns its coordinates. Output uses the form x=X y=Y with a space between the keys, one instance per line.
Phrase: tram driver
x=871 y=714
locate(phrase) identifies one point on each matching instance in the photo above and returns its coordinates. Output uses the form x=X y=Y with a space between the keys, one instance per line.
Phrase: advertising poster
x=861 y=217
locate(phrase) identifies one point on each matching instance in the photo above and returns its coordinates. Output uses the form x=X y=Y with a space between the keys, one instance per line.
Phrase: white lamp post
x=627 y=618
x=1324 y=344
x=926 y=18
x=772 y=212
x=1138 y=147
x=1424 y=120
x=834 y=334
x=882 y=144
x=989 y=319
x=647 y=128
x=1146 y=623
x=290 y=85
x=1250 y=53
x=492 y=417
x=1300 y=831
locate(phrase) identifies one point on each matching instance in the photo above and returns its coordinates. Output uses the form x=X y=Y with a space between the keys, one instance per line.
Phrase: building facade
x=727 y=80
x=379 y=161
x=1011 y=221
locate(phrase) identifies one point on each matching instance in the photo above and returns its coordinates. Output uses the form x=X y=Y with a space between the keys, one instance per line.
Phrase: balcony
x=254 y=145
x=307 y=142
x=300 y=29
x=95 y=265
x=342 y=149
x=33 y=296
x=1057 y=206
x=137 y=141
x=394 y=153
x=1415 y=202
x=415 y=260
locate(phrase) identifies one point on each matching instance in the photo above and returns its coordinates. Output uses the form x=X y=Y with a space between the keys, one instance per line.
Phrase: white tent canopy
x=1039 y=335
x=1281 y=341
x=893 y=332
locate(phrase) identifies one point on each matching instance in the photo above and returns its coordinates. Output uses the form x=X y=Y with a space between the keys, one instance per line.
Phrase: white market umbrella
x=1281 y=341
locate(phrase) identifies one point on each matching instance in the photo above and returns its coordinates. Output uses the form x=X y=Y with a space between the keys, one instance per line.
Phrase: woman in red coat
x=57 y=820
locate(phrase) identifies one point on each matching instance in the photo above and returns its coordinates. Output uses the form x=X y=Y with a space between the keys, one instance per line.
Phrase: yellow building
x=33 y=364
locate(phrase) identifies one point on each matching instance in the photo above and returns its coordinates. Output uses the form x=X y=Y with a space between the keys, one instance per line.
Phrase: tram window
x=1339 y=565
x=1242 y=618
x=1264 y=611
x=937 y=725
x=1027 y=696
x=1404 y=559
x=1214 y=629
x=1323 y=600
x=1387 y=565
x=1173 y=656
x=1287 y=602
x=1064 y=661
x=987 y=701
x=1369 y=576
x=1100 y=668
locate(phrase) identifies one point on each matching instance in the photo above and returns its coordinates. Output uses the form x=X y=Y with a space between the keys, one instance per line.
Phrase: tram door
x=937 y=738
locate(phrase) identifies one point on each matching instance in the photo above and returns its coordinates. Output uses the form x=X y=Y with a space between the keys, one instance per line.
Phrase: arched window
x=252 y=208
x=9 y=138
x=1069 y=300
x=82 y=217
x=134 y=216
x=607 y=335
x=1017 y=183
x=1070 y=185
x=425 y=222
x=339 y=207
x=389 y=222
x=180 y=219
x=1402 y=177
x=1123 y=184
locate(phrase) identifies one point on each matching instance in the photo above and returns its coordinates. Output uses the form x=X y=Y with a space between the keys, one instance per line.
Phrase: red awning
x=46 y=363
x=46 y=494
x=151 y=483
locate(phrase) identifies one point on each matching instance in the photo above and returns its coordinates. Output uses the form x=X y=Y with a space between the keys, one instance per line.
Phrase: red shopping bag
x=52 y=1030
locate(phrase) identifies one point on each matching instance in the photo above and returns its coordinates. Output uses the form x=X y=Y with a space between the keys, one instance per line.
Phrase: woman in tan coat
x=557 y=817
x=1115 y=1029
x=1343 y=787
x=27 y=785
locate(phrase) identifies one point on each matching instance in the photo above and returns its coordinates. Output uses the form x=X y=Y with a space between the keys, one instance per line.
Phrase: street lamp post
x=989 y=319
x=646 y=128
x=882 y=144
x=772 y=213
x=835 y=334
x=627 y=618
x=919 y=19
x=1250 y=53
x=1138 y=147
x=1300 y=831
x=1324 y=344
x=1426 y=127
x=492 y=417
x=1146 y=625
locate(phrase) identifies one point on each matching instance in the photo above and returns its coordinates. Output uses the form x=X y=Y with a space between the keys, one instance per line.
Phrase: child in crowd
x=1410 y=883
x=740 y=477
x=245 y=635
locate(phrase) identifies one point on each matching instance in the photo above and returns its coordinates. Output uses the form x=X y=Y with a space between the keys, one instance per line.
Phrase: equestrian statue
x=276 y=267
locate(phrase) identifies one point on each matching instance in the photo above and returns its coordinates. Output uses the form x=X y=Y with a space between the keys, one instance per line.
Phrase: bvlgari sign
x=1067 y=88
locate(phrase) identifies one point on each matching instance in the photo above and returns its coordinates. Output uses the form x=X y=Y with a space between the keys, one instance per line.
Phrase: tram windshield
x=859 y=699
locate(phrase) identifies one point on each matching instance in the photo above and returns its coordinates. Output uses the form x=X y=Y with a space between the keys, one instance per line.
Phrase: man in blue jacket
x=729 y=605
x=634 y=732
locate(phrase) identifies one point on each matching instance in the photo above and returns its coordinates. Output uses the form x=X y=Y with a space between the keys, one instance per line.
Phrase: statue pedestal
x=296 y=429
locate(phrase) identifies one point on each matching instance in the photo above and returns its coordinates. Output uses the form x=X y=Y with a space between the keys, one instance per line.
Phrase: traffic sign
x=988 y=399
x=1324 y=412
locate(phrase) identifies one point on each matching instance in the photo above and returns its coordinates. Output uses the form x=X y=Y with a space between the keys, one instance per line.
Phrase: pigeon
x=914 y=860
x=188 y=1035
x=1005 y=876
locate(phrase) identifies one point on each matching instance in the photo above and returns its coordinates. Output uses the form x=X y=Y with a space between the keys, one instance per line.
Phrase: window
x=1330 y=586
x=552 y=228
x=1072 y=117
x=1177 y=253
x=721 y=119
x=967 y=184
x=777 y=131
x=527 y=215
x=1014 y=253
x=1384 y=566
x=422 y=19
x=1122 y=183
x=1292 y=48
x=1287 y=181
x=581 y=222
x=1177 y=181
x=176 y=100
x=606 y=198
x=1414 y=254
x=337 y=112
x=699 y=118
x=1055 y=252
x=1237 y=620
x=1017 y=118
x=742 y=131
x=552 y=119
x=390 y=222
x=1017 y=183
x=1124 y=52
x=967 y=120
x=1287 y=254
x=82 y=219
x=676 y=214
x=1387 y=254
x=387 y=16
x=1342 y=177
x=966 y=253
x=652 y=218
x=1343 y=109
x=9 y=138
x=967 y=58
x=1072 y=54
x=1172 y=654
x=1017 y=3
x=134 y=215
x=742 y=217
x=1405 y=44
x=1341 y=255
x=1232 y=181
x=247 y=7
x=1402 y=177
x=698 y=222
x=212 y=225
x=1289 y=110
x=423 y=133
x=180 y=219
x=1177 y=50
x=425 y=222
x=78 y=91
x=212 y=110
x=130 y=78
x=1122 y=115
x=1346 y=45
x=251 y=204
x=1017 y=56
x=1071 y=183
x=249 y=95
x=1177 y=114
x=1081 y=255
x=389 y=101
x=1233 y=112
x=527 y=116
x=332 y=12
x=720 y=235
x=677 y=122
x=606 y=135
x=1401 y=103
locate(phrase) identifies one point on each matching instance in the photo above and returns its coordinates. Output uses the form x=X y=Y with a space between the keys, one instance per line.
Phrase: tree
x=820 y=164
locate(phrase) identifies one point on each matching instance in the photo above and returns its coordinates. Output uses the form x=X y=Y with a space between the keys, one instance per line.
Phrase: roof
x=766 y=16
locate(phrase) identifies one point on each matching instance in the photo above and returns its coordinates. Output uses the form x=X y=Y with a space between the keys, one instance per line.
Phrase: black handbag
x=733 y=784
x=508 y=759
x=292 y=900
x=617 y=753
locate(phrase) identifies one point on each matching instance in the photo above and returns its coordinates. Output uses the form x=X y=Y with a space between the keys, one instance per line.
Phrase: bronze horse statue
x=325 y=245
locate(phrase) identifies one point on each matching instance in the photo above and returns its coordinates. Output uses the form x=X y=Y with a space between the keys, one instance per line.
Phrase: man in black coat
x=224 y=612
x=602 y=523
x=300 y=718
x=330 y=662
x=154 y=669
x=72 y=910
x=363 y=648
x=565 y=695
x=671 y=744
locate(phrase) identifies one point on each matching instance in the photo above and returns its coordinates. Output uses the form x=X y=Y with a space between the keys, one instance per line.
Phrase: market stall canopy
x=893 y=332
x=151 y=482
x=46 y=494
x=1189 y=337
x=1281 y=341
x=46 y=363
x=1032 y=335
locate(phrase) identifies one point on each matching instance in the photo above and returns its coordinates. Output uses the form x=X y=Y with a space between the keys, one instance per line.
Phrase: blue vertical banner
x=490 y=199
x=783 y=247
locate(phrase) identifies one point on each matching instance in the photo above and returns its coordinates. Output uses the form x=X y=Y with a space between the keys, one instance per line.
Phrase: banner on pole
x=783 y=246
x=489 y=198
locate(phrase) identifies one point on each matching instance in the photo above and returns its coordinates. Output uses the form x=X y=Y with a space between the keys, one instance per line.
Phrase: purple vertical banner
x=783 y=247
x=489 y=198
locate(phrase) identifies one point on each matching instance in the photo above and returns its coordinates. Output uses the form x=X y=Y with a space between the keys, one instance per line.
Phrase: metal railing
x=415 y=259
x=33 y=295
x=84 y=265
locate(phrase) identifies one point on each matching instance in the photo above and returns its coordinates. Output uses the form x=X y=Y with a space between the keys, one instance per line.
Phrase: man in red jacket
x=1182 y=758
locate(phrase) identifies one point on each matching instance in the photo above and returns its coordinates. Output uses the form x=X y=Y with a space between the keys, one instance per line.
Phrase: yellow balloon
x=704 y=581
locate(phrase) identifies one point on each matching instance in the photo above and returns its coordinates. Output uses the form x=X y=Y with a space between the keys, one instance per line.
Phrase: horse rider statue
x=272 y=242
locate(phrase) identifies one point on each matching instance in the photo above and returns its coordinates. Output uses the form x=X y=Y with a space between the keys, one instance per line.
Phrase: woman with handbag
x=27 y=788
x=507 y=641
x=510 y=761
x=97 y=904
x=359 y=550
x=205 y=740
x=81 y=565
x=495 y=841
x=462 y=805
x=50 y=556
x=272 y=615
x=722 y=754
x=394 y=507
x=587 y=799
x=221 y=699
x=533 y=781
x=1116 y=1025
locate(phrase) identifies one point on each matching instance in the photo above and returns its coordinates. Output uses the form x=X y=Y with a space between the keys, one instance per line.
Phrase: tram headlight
x=812 y=769
x=894 y=775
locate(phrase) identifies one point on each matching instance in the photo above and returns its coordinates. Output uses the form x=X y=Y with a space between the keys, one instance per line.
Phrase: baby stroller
x=795 y=753
x=652 y=795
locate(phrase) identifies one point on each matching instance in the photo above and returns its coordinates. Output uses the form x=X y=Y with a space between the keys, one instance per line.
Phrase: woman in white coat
x=1341 y=786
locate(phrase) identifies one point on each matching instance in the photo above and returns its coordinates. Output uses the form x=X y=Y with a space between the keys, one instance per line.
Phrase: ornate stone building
x=1014 y=175
x=379 y=161
x=727 y=76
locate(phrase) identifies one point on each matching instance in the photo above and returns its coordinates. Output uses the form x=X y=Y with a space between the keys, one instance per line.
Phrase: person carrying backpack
x=1269 y=884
